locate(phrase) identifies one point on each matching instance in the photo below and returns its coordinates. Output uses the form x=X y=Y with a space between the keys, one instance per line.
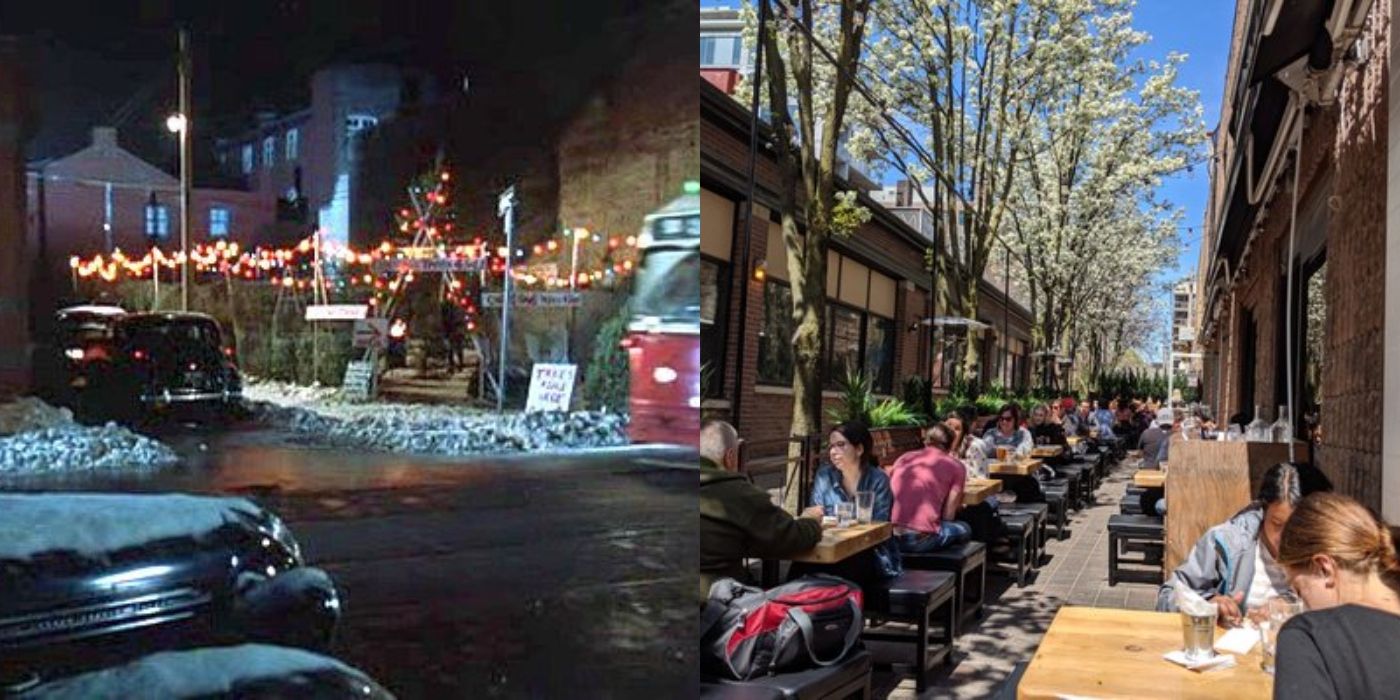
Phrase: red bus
x=663 y=339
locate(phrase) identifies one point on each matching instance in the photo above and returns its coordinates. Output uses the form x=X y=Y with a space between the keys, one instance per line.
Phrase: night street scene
x=349 y=349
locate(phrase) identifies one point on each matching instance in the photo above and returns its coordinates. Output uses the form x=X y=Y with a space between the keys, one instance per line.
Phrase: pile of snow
x=287 y=394
x=94 y=524
x=219 y=672
x=427 y=428
x=36 y=437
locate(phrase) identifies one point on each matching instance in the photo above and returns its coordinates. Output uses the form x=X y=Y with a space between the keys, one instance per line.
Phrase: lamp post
x=180 y=123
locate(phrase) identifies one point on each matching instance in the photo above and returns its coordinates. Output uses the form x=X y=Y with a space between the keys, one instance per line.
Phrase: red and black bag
x=746 y=631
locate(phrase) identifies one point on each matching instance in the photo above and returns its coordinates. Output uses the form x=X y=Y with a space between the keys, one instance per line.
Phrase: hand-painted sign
x=551 y=387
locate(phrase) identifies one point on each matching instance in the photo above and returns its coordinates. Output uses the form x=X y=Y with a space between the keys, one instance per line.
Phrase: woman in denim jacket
x=854 y=467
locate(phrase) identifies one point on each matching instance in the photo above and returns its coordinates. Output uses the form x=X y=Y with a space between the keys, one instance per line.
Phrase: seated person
x=966 y=447
x=1155 y=439
x=1007 y=432
x=1340 y=558
x=1234 y=564
x=853 y=467
x=928 y=490
x=1046 y=431
x=738 y=519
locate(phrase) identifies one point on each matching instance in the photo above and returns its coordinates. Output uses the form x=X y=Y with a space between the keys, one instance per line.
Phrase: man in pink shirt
x=928 y=489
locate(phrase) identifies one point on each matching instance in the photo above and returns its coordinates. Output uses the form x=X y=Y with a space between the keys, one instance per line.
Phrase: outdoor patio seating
x=844 y=681
x=969 y=562
x=1132 y=529
x=1021 y=531
x=1039 y=512
x=927 y=600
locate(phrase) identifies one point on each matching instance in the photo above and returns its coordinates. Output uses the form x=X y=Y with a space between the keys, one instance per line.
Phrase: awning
x=1300 y=30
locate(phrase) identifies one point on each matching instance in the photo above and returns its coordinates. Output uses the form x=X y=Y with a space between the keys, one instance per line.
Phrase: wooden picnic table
x=1150 y=478
x=1047 y=451
x=841 y=543
x=1024 y=468
x=1111 y=653
x=976 y=491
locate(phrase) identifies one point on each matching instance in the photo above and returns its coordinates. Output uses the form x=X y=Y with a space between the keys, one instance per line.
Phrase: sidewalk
x=1016 y=618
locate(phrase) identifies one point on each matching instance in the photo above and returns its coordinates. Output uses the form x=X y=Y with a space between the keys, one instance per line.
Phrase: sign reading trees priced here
x=551 y=387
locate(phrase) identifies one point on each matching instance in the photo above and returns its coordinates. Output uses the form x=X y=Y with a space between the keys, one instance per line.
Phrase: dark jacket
x=737 y=520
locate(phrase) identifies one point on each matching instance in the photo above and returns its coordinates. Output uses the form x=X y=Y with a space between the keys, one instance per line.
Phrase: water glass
x=845 y=514
x=865 y=506
x=1199 y=636
x=1279 y=610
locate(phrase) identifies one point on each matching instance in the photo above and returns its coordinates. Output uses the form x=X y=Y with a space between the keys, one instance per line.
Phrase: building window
x=293 y=139
x=775 y=357
x=247 y=158
x=157 y=221
x=843 y=344
x=879 y=353
x=724 y=51
x=714 y=285
x=269 y=151
x=219 y=221
x=707 y=50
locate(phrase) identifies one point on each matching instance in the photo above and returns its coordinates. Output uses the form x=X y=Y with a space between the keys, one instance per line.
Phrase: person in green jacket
x=738 y=519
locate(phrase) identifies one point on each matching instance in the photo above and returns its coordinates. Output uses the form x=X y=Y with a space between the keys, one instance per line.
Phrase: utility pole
x=505 y=207
x=186 y=123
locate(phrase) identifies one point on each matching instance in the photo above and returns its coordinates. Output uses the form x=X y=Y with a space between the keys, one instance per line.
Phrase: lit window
x=218 y=221
x=269 y=151
x=157 y=221
x=293 y=138
x=356 y=123
x=247 y=158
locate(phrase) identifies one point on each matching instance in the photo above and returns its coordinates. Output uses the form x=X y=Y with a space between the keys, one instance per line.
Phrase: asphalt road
x=534 y=575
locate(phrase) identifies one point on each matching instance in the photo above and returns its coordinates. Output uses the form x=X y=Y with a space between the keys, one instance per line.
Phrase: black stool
x=1125 y=529
x=847 y=679
x=1020 y=529
x=1040 y=513
x=923 y=599
x=969 y=562
x=1057 y=497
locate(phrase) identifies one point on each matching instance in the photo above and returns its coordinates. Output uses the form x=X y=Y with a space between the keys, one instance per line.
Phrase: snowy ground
x=36 y=437
x=426 y=429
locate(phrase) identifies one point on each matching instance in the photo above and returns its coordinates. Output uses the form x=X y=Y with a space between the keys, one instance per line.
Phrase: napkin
x=1214 y=663
x=1239 y=640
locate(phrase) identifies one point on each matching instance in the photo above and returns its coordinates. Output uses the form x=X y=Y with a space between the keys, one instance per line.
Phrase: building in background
x=1299 y=185
x=1185 y=360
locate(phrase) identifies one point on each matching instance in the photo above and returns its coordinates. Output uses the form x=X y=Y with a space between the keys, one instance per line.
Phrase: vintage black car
x=168 y=363
x=92 y=580
x=82 y=339
x=246 y=672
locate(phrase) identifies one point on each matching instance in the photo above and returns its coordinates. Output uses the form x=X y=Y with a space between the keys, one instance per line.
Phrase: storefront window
x=713 y=285
x=775 y=357
x=879 y=353
x=844 y=344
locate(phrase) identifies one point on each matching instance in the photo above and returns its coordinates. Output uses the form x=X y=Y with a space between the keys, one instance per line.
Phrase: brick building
x=103 y=197
x=878 y=289
x=16 y=124
x=1307 y=103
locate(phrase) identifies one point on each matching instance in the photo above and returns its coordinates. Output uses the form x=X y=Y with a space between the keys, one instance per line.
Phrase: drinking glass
x=845 y=514
x=1199 y=636
x=865 y=506
x=1278 y=611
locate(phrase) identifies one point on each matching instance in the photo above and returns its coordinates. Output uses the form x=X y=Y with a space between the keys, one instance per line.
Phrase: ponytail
x=1343 y=529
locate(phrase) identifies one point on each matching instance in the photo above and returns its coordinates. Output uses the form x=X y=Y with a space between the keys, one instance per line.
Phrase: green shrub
x=606 y=380
x=857 y=399
x=892 y=413
x=918 y=397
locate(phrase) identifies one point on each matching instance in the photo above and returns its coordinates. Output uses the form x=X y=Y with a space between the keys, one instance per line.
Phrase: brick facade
x=1343 y=168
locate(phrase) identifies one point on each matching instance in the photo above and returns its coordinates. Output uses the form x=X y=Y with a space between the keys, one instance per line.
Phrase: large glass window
x=293 y=144
x=667 y=285
x=157 y=221
x=219 y=221
x=713 y=325
x=843 y=345
x=775 y=357
x=879 y=353
x=269 y=151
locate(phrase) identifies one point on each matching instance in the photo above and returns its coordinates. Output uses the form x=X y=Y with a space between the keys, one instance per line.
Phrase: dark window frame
x=720 y=326
x=759 y=378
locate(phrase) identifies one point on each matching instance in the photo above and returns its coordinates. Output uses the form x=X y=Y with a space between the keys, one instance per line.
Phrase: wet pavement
x=526 y=575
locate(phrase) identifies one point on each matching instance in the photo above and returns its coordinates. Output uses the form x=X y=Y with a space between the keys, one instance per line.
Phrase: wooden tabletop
x=1047 y=451
x=977 y=490
x=1111 y=653
x=1073 y=440
x=839 y=543
x=1150 y=478
x=1025 y=468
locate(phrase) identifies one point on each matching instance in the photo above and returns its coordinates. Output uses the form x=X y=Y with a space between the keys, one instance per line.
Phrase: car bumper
x=186 y=397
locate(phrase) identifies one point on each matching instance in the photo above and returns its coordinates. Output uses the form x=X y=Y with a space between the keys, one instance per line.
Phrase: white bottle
x=1282 y=430
x=1258 y=429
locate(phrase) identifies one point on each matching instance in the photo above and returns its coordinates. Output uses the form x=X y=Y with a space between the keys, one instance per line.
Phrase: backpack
x=746 y=631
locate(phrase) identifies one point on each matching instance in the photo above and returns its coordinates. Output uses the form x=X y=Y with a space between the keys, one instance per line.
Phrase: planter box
x=1209 y=481
x=890 y=443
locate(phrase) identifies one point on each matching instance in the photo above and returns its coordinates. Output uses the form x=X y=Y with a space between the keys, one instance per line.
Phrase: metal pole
x=743 y=269
x=505 y=206
x=1288 y=297
x=185 y=170
x=315 y=299
x=1006 y=321
x=573 y=287
x=107 y=218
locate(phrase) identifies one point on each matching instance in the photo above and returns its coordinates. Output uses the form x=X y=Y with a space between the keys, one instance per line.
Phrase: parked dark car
x=92 y=580
x=247 y=672
x=168 y=363
x=82 y=339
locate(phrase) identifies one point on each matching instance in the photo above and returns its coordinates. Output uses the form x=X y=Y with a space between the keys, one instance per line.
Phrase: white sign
x=518 y=300
x=336 y=312
x=372 y=333
x=359 y=380
x=551 y=387
x=430 y=265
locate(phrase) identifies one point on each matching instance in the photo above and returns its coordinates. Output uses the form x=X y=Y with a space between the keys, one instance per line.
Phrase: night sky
x=113 y=61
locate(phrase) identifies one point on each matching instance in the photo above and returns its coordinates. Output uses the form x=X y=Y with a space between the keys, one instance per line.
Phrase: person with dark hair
x=1341 y=560
x=1235 y=563
x=966 y=447
x=1007 y=432
x=853 y=467
x=1045 y=429
x=928 y=487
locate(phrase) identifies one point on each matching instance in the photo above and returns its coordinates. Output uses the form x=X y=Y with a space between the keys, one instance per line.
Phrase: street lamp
x=175 y=123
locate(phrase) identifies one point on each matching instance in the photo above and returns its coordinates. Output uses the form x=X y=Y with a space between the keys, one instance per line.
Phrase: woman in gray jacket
x=1233 y=565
